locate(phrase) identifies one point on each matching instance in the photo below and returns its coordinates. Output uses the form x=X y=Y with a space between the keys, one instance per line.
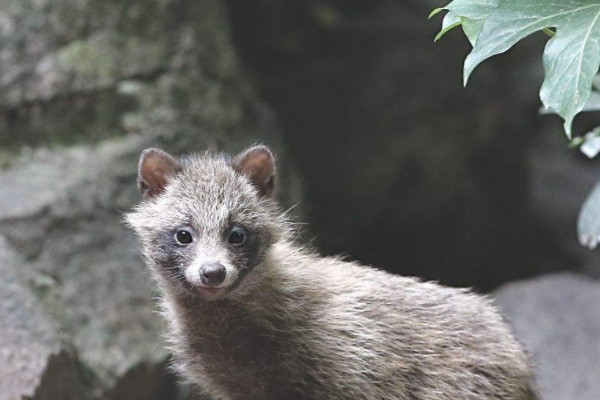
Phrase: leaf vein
x=583 y=46
x=519 y=30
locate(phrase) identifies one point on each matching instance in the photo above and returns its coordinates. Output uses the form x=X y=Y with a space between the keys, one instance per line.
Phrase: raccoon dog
x=253 y=315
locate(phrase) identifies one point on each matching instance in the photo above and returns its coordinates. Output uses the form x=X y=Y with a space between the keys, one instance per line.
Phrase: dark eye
x=183 y=236
x=238 y=236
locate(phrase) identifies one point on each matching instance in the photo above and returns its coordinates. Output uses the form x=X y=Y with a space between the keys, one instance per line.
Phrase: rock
x=557 y=317
x=32 y=353
x=61 y=209
x=84 y=87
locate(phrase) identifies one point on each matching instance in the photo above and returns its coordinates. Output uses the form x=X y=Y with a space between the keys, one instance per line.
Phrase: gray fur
x=294 y=325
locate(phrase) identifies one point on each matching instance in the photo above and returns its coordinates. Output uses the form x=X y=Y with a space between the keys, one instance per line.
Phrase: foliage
x=571 y=62
x=571 y=57
x=588 y=228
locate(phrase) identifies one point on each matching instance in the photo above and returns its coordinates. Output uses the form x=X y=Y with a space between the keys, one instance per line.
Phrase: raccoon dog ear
x=154 y=169
x=258 y=165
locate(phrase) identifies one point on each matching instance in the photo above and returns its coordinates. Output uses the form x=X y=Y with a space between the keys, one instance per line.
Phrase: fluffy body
x=295 y=325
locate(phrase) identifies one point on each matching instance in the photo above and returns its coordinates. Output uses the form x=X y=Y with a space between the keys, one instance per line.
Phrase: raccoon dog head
x=206 y=221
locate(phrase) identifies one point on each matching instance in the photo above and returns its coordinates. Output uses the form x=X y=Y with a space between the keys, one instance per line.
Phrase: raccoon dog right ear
x=258 y=165
x=154 y=169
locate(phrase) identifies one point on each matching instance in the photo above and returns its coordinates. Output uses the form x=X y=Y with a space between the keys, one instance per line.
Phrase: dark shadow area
x=403 y=168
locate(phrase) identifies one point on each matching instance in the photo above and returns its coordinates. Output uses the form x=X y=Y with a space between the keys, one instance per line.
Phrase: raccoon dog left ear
x=258 y=165
x=155 y=167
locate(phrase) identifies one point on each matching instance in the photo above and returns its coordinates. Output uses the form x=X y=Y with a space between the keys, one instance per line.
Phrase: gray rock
x=31 y=350
x=61 y=210
x=557 y=317
x=84 y=87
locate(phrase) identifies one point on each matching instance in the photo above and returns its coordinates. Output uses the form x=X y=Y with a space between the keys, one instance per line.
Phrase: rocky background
x=382 y=151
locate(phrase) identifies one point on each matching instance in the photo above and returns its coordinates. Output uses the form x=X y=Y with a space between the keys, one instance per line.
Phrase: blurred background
x=382 y=152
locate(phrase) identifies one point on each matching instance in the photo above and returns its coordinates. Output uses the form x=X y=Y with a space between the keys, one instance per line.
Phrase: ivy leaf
x=593 y=103
x=471 y=14
x=571 y=57
x=449 y=22
x=472 y=28
x=473 y=9
x=588 y=223
x=590 y=143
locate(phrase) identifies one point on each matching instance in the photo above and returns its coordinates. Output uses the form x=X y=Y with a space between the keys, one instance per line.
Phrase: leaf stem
x=576 y=142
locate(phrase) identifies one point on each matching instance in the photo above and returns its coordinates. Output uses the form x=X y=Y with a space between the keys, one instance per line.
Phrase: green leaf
x=450 y=22
x=593 y=103
x=596 y=82
x=588 y=222
x=590 y=145
x=470 y=13
x=571 y=57
x=588 y=226
x=435 y=12
x=472 y=28
x=576 y=142
x=450 y=19
x=473 y=9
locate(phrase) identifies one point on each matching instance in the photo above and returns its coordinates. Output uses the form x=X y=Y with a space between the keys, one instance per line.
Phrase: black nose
x=212 y=274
